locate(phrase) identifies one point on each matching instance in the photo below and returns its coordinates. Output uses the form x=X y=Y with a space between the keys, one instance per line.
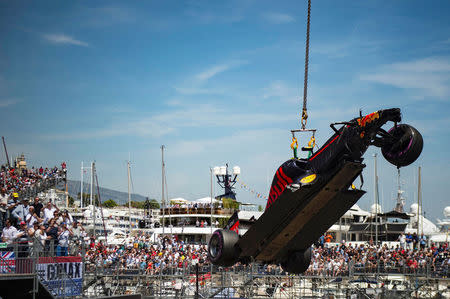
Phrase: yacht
x=442 y=236
x=195 y=221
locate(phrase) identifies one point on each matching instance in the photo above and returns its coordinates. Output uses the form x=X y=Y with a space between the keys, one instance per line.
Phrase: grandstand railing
x=214 y=281
x=38 y=187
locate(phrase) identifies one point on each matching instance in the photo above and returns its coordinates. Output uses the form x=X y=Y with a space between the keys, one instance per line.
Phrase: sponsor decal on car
x=308 y=179
x=363 y=121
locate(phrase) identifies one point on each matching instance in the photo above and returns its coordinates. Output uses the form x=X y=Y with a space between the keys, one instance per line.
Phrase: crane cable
x=305 y=86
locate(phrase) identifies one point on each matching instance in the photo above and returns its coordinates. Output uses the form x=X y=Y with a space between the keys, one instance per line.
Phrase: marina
x=228 y=149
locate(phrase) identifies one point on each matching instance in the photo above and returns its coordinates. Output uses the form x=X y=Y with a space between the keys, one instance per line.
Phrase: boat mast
x=92 y=186
x=376 y=200
x=81 y=186
x=92 y=181
x=163 y=202
x=211 y=195
x=419 y=202
x=6 y=152
x=101 y=209
x=129 y=195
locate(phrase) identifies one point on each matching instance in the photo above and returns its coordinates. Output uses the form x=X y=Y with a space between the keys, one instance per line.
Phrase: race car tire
x=297 y=262
x=407 y=147
x=221 y=248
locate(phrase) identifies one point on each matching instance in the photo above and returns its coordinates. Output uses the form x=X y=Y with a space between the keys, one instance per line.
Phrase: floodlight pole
x=81 y=187
x=376 y=200
x=129 y=196
x=419 y=202
x=211 y=197
x=163 y=202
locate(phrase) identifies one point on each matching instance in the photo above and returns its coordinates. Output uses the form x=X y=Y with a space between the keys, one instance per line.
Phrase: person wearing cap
x=23 y=249
x=4 y=197
x=12 y=203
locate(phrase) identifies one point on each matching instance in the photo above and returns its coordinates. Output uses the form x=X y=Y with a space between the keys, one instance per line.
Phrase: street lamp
x=227 y=180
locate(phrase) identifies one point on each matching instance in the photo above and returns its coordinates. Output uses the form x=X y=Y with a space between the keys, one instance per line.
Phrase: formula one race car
x=307 y=196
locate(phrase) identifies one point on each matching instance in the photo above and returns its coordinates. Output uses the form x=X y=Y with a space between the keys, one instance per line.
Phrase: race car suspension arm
x=384 y=139
x=340 y=123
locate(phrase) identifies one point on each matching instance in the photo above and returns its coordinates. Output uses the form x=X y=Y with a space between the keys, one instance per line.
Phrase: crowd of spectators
x=341 y=259
x=173 y=256
x=30 y=223
x=168 y=255
x=24 y=220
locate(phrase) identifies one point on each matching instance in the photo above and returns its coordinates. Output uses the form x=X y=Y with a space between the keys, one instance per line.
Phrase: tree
x=110 y=204
x=260 y=208
x=154 y=204
x=229 y=203
x=136 y=204
x=71 y=201
x=223 y=222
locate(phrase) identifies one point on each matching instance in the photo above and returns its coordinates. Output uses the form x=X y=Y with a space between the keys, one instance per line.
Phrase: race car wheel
x=221 y=248
x=297 y=262
x=406 y=148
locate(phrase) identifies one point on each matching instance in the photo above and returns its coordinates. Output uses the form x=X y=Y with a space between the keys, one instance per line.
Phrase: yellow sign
x=308 y=179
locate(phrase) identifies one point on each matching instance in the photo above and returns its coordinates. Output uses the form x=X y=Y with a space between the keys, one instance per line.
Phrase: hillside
x=105 y=193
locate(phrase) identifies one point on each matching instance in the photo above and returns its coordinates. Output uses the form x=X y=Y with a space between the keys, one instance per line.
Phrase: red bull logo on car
x=278 y=186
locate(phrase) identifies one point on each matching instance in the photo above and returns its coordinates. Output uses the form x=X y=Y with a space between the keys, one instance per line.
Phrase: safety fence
x=78 y=276
x=261 y=281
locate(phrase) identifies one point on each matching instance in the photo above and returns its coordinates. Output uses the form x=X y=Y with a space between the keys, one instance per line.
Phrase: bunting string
x=245 y=186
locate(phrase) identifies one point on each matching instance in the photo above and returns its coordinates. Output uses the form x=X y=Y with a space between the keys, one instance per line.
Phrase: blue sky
x=218 y=82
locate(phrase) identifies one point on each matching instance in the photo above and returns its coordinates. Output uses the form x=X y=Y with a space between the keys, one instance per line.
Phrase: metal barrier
x=254 y=280
x=35 y=189
x=89 y=278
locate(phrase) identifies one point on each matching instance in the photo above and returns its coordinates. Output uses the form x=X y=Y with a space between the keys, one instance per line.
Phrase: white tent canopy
x=178 y=200
x=206 y=200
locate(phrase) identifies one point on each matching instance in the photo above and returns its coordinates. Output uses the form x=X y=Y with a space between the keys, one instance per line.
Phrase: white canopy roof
x=205 y=200
x=178 y=200
x=440 y=238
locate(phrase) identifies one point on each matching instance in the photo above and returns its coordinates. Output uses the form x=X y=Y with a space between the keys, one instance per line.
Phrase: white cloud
x=8 y=102
x=206 y=17
x=279 y=89
x=197 y=90
x=278 y=18
x=64 y=40
x=202 y=116
x=247 y=140
x=211 y=72
x=217 y=69
x=430 y=76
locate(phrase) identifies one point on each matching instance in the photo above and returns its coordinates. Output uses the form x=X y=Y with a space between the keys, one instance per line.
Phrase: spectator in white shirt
x=49 y=211
x=63 y=240
x=32 y=218
x=4 y=197
x=9 y=233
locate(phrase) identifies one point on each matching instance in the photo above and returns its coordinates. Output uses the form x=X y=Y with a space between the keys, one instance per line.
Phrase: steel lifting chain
x=305 y=86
